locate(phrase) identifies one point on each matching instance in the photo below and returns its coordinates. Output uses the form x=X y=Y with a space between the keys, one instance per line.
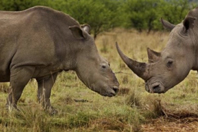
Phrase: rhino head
x=92 y=69
x=169 y=67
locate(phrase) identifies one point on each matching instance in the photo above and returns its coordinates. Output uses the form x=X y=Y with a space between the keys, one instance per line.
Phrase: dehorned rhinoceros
x=172 y=65
x=41 y=42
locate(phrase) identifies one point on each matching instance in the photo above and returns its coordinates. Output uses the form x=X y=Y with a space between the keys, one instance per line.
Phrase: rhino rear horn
x=167 y=24
x=153 y=56
x=138 y=68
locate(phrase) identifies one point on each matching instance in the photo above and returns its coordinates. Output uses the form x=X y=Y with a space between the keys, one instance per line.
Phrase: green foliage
x=99 y=14
x=17 y=5
x=140 y=13
x=103 y=15
x=145 y=14
x=176 y=10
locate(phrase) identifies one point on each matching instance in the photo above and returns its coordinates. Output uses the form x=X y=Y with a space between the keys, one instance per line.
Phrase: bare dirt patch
x=174 y=118
x=163 y=124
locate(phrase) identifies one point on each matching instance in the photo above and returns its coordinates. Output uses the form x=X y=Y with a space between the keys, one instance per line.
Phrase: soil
x=164 y=124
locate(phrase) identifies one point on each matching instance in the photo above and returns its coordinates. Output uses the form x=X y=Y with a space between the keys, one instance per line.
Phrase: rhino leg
x=44 y=91
x=18 y=79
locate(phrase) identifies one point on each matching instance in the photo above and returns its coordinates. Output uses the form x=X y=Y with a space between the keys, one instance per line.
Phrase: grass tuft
x=4 y=87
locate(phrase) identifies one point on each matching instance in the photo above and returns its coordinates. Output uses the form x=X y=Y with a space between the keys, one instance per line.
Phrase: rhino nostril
x=156 y=87
x=115 y=88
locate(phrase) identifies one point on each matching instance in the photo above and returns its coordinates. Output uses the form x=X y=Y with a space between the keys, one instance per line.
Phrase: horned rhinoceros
x=172 y=65
x=41 y=42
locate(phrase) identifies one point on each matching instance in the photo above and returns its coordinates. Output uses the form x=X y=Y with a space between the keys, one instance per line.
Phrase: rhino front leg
x=18 y=79
x=44 y=91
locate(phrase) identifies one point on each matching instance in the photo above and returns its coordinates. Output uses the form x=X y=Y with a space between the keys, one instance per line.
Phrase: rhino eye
x=169 y=63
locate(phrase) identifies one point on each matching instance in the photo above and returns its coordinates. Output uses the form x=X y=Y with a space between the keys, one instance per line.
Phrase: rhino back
x=38 y=37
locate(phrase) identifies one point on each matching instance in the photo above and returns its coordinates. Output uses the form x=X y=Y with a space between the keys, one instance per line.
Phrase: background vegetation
x=103 y=15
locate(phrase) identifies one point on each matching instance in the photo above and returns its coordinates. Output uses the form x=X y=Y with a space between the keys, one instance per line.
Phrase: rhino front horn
x=138 y=68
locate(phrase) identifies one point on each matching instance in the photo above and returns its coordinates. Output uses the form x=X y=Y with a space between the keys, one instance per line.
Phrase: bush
x=103 y=15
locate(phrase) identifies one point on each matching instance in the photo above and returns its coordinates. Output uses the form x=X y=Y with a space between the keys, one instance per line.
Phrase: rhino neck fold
x=70 y=64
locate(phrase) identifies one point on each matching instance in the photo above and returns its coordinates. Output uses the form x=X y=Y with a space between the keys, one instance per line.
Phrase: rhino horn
x=167 y=24
x=138 y=68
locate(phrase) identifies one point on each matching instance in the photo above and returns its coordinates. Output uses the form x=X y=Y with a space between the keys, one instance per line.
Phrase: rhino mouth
x=110 y=94
x=156 y=87
x=106 y=91
x=113 y=92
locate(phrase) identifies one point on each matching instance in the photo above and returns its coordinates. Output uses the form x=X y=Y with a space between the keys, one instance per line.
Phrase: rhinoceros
x=39 y=43
x=169 y=67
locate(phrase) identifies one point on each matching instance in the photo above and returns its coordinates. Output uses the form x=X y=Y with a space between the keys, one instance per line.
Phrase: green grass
x=82 y=110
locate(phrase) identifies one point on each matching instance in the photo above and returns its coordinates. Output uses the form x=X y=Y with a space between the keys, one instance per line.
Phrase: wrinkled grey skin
x=39 y=43
x=172 y=65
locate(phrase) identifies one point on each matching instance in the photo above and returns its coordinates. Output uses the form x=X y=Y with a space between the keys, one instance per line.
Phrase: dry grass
x=133 y=109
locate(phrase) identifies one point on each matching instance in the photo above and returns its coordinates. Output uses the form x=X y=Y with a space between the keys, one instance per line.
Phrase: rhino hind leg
x=45 y=85
x=18 y=79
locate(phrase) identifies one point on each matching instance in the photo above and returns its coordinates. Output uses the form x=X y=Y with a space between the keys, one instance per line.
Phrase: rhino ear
x=153 y=56
x=86 y=28
x=189 y=23
x=77 y=32
x=167 y=24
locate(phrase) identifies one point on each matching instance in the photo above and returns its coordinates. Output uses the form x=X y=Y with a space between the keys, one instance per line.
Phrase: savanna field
x=131 y=110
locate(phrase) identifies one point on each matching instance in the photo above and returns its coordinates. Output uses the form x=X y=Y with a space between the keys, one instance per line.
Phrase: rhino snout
x=155 y=88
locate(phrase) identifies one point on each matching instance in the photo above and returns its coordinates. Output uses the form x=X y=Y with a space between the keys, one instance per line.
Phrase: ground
x=163 y=124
